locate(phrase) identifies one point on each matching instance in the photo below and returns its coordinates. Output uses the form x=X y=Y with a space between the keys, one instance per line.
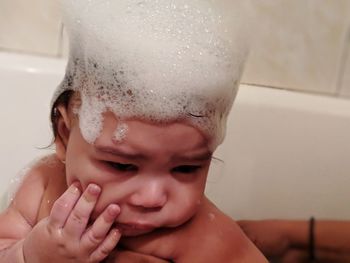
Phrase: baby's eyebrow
x=194 y=157
x=120 y=153
x=205 y=156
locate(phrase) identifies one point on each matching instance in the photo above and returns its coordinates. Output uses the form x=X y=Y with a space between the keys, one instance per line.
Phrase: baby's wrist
x=13 y=253
x=21 y=257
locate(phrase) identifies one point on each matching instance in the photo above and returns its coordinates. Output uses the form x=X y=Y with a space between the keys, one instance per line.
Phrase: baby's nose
x=151 y=196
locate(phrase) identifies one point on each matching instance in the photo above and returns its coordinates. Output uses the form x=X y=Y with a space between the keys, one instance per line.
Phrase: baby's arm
x=209 y=237
x=126 y=256
x=19 y=218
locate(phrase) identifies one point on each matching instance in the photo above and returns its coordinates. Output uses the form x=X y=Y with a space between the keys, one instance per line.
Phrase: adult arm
x=290 y=238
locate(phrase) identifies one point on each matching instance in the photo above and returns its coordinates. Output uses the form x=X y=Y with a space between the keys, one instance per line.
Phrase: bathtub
x=286 y=154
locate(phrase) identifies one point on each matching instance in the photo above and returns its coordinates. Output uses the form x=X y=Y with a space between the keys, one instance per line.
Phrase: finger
x=107 y=246
x=63 y=206
x=94 y=236
x=79 y=217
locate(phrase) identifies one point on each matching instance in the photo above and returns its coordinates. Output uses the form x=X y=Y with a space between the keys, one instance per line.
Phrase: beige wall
x=299 y=44
x=30 y=26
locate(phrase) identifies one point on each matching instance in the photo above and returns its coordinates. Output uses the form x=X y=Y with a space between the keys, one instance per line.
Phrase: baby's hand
x=65 y=237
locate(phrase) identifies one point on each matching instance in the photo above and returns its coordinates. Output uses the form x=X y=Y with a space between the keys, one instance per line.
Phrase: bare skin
x=210 y=236
x=181 y=244
x=75 y=205
x=25 y=215
x=64 y=231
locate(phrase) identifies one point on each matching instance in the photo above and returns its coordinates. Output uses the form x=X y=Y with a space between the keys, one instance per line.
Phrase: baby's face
x=156 y=173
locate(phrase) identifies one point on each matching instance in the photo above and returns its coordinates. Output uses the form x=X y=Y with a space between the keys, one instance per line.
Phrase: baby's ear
x=63 y=131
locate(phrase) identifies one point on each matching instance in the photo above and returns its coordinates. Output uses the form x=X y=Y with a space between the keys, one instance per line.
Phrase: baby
x=143 y=105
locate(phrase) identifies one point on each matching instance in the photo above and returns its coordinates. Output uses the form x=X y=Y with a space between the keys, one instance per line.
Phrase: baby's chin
x=134 y=233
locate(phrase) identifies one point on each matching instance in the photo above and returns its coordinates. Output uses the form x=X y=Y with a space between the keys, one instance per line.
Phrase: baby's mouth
x=131 y=229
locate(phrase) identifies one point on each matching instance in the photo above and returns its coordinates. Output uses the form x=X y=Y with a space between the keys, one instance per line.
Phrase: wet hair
x=62 y=99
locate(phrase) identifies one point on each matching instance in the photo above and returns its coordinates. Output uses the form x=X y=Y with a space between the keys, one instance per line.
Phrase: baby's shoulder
x=232 y=245
x=31 y=184
x=39 y=171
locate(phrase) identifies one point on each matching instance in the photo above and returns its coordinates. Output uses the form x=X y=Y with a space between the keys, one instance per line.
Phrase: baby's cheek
x=76 y=172
x=72 y=178
x=107 y=197
x=84 y=177
x=183 y=211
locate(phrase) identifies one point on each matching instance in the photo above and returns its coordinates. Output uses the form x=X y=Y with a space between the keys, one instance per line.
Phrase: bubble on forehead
x=156 y=59
x=91 y=118
x=120 y=132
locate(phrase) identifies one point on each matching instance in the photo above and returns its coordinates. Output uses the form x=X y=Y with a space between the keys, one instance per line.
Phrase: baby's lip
x=130 y=226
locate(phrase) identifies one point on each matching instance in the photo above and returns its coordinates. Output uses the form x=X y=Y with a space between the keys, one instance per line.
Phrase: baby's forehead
x=135 y=137
x=118 y=126
x=136 y=132
x=141 y=125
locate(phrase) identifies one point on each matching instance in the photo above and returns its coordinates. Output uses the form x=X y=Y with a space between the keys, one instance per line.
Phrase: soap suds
x=161 y=60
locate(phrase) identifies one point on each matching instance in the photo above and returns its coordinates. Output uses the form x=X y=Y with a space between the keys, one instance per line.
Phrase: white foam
x=157 y=59
x=120 y=132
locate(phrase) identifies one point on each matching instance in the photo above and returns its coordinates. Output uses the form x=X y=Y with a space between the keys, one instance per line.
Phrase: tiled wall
x=344 y=72
x=30 y=26
x=299 y=44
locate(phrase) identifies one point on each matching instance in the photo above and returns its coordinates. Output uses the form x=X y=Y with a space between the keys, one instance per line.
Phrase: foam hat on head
x=160 y=60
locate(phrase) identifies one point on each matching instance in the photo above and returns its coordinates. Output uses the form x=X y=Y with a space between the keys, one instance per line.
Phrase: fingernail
x=75 y=187
x=116 y=233
x=94 y=189
x=113 y=210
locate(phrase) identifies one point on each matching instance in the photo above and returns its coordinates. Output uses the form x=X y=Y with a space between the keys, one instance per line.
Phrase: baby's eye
x=123 y=167
x=186 y=169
